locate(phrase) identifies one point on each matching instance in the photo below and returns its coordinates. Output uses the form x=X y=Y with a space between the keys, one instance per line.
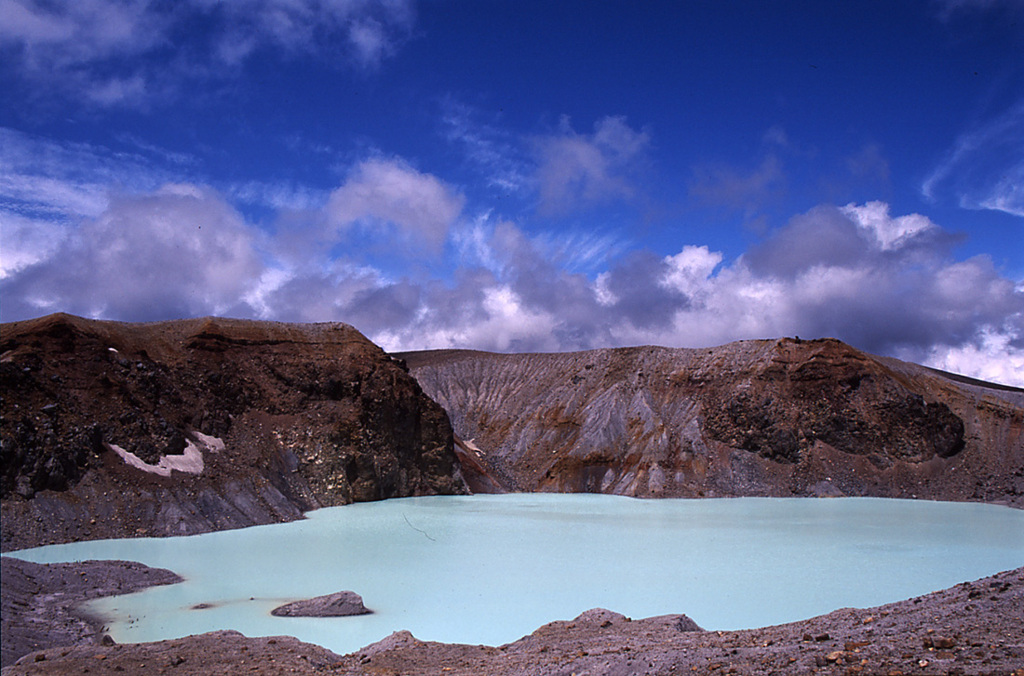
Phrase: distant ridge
x=784 y=417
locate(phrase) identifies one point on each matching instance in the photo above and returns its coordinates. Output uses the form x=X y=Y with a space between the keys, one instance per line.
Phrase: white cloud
x=391 y=198
x=578 y=170
x=67 y=181
x=884 y=283
x=690 y=269
x=487 y=147
x=26 y=242
x=993 y=355
x=947 y=8
x=69 y=33
x=897 y=292
x=180 y=251
x=888 y=233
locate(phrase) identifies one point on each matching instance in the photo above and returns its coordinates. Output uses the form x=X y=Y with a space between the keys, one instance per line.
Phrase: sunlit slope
x=773 y=417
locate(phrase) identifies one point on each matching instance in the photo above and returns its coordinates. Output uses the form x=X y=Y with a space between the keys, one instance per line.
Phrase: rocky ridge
x=173 y=428
x=782 y=417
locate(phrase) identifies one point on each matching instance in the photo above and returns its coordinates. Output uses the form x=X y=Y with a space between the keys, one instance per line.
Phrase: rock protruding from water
x=340 y=604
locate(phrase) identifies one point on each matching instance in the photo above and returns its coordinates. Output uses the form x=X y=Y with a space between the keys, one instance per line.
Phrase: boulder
x=339 y=604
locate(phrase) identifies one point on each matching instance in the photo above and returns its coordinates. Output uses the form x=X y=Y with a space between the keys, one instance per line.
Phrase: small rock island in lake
x=340 y=604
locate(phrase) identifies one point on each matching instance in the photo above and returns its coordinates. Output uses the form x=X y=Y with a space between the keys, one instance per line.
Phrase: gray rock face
x=756 y=418
x=340 y=604
x=41 y=603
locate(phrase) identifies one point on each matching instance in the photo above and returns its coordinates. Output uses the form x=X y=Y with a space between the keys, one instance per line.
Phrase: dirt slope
x=113 y=430
x=773 y=418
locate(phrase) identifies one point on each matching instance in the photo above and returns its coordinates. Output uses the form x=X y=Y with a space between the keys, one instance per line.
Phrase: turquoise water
x=492 y=568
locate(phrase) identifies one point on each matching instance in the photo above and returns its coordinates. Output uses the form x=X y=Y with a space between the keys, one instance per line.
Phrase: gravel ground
x=973 y=628
x=40 y=603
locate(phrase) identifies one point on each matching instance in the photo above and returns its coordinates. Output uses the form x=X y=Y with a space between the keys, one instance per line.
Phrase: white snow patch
x=211 y=443
x=190 y=462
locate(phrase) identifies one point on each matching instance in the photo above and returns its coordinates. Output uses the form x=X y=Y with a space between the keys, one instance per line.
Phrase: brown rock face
x=114 y=429
x=772 y=418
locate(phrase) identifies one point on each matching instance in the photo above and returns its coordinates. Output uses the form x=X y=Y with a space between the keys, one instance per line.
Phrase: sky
x=525 y=175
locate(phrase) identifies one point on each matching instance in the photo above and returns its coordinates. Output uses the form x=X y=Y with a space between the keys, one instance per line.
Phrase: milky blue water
x=490 y=569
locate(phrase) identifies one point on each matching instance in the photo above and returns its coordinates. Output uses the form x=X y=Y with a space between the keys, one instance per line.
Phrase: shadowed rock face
x=114 y=429
x=774 y=418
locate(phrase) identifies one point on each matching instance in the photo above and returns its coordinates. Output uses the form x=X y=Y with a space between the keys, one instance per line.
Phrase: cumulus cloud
x=984 y=169
x=124 y=52
x=976 y=357
x=180 y=251
x=887 y=284
x=580 y=170
x=26 y=242
x=388 y=199
x=47 y=187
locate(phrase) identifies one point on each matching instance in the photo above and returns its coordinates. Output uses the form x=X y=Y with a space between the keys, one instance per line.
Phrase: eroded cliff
x=773 y=418
x=113 y=430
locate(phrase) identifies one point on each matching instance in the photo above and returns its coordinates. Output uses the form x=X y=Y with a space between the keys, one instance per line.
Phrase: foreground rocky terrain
x=40 y=603
x=782 y=417
x=973 y=628
x=172 y=428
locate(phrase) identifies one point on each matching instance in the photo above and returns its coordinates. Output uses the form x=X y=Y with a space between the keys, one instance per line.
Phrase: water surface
x=492 y=568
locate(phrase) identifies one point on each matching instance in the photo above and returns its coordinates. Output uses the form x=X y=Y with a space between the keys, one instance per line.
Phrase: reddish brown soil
x=310 y=415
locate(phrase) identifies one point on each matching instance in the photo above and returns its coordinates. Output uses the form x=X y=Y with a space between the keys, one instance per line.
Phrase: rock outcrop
x=172 y=428
x=754 y=418
x=339 y=604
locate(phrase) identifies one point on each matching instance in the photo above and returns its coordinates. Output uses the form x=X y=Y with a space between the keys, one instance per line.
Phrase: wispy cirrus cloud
x=494 y=152
x=984 y=169
x=66 y=180
x=126 y=52
x=948 y=8
x=746 y=191
x=581 y=170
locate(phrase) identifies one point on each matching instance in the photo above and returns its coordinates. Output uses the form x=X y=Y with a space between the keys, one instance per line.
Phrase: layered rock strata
x=172 y=428
x=754 y=418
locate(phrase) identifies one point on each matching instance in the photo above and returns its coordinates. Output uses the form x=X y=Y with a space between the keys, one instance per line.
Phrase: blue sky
x=525 y=175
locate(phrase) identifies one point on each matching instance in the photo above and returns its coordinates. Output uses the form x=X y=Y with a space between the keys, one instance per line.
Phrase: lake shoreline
x=43 y=604
x=57 y=593
x=972 y=628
